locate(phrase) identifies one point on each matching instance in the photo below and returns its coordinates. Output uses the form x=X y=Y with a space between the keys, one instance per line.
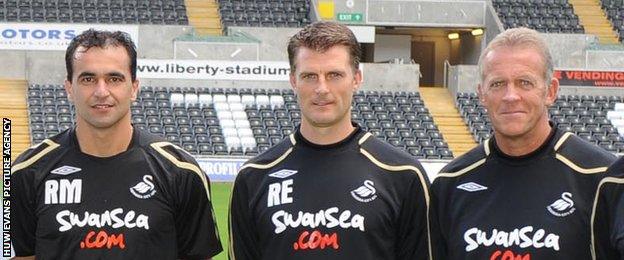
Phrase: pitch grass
x=221 y=203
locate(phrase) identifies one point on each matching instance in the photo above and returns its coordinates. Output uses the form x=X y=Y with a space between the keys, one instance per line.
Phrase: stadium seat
x=177 y=99
x=262 y=100
x=219 y=98
x=190 y=98
x=236 y=106
x=276 y=101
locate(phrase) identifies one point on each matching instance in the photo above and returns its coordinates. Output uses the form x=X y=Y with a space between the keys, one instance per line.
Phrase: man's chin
x=322 y=122
x=102 y=124
x=512 y=132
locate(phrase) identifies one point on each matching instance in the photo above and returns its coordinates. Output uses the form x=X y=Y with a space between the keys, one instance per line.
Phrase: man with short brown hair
x=330 y=190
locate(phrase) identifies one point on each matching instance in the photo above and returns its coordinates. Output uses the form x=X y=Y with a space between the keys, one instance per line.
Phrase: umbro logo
x=65 y=170
x=471 y=187
x=285 y=173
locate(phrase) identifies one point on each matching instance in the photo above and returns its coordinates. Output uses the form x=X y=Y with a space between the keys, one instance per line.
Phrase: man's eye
x=526 y=83
x=87 y=80
x=497 y=84
x=115 y=80
x=334 y=75
x=309 y=77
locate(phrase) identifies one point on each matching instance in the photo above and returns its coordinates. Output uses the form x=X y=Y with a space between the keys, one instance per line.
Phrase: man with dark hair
x=93 y=38
x=607 y=216
x=526 y=193
x=104 y=189
x=330 y=190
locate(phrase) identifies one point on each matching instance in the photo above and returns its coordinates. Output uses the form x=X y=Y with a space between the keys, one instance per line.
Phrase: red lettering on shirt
x=101 y=239
x=316 y=240
x=509 y=255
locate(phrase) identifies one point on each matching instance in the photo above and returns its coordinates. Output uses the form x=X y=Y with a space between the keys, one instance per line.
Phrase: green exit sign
x=350 y=17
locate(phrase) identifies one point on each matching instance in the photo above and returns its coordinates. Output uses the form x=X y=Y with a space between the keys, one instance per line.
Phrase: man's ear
x=135 y=90
x=357 y=81
x=552 y=91
x=68 y=89
x=293 y=81
x=480 y=93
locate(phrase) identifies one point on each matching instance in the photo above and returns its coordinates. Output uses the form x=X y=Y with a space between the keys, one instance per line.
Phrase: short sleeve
x=243 y=239
x=413 y=238
x=23 y=218
x=197 y=235
x=608 y=215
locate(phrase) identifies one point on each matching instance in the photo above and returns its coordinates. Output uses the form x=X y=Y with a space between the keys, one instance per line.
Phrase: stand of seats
x=589 y=117
x=265 y=13
x=615 y=12
x=245 y=122
x=401 y=119
x=95 y=11
x=548 y=16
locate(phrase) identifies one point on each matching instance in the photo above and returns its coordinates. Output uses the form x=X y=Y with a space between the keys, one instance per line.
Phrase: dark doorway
x=423 y=53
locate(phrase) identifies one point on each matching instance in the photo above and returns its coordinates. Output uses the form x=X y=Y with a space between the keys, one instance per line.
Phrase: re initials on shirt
x=279 y=193
x=63 y=191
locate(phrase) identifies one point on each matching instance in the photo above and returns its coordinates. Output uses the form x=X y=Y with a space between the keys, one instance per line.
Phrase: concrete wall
x=568 y=50
x=157 y=41
x=391 y=76
x=605 y=59
x=463 y=78
x=47 y=67
x=470 y=48
x=493 y=25
x=190 y=50
x=14 y=64
x=36 y=66
x=594 y=91
x=436 y=13
x=389 y=47
x=273 y=41
x=428 y=13
x=437 y=36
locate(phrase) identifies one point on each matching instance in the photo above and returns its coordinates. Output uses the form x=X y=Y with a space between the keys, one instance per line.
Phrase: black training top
x=150 y=202
x=608 y=217
x=488 y=205
x=356 y=199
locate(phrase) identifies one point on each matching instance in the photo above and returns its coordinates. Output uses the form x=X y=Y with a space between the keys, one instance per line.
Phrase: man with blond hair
x=527 y=192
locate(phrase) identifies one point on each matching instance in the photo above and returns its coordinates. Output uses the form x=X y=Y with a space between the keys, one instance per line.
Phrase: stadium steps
x=13 y=94
x=204 y=16
x=593 y=18
x=441 y=105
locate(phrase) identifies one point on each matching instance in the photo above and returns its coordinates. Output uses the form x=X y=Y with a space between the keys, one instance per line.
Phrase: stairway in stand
x=594 y=20
x=13 y=106
x=441 y=105
x=204 y=16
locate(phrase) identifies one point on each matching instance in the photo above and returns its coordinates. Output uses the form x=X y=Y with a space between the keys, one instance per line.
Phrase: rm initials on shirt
x=63 y=191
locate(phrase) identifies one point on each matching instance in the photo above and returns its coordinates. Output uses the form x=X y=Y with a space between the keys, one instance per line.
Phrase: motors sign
x=52 y=36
